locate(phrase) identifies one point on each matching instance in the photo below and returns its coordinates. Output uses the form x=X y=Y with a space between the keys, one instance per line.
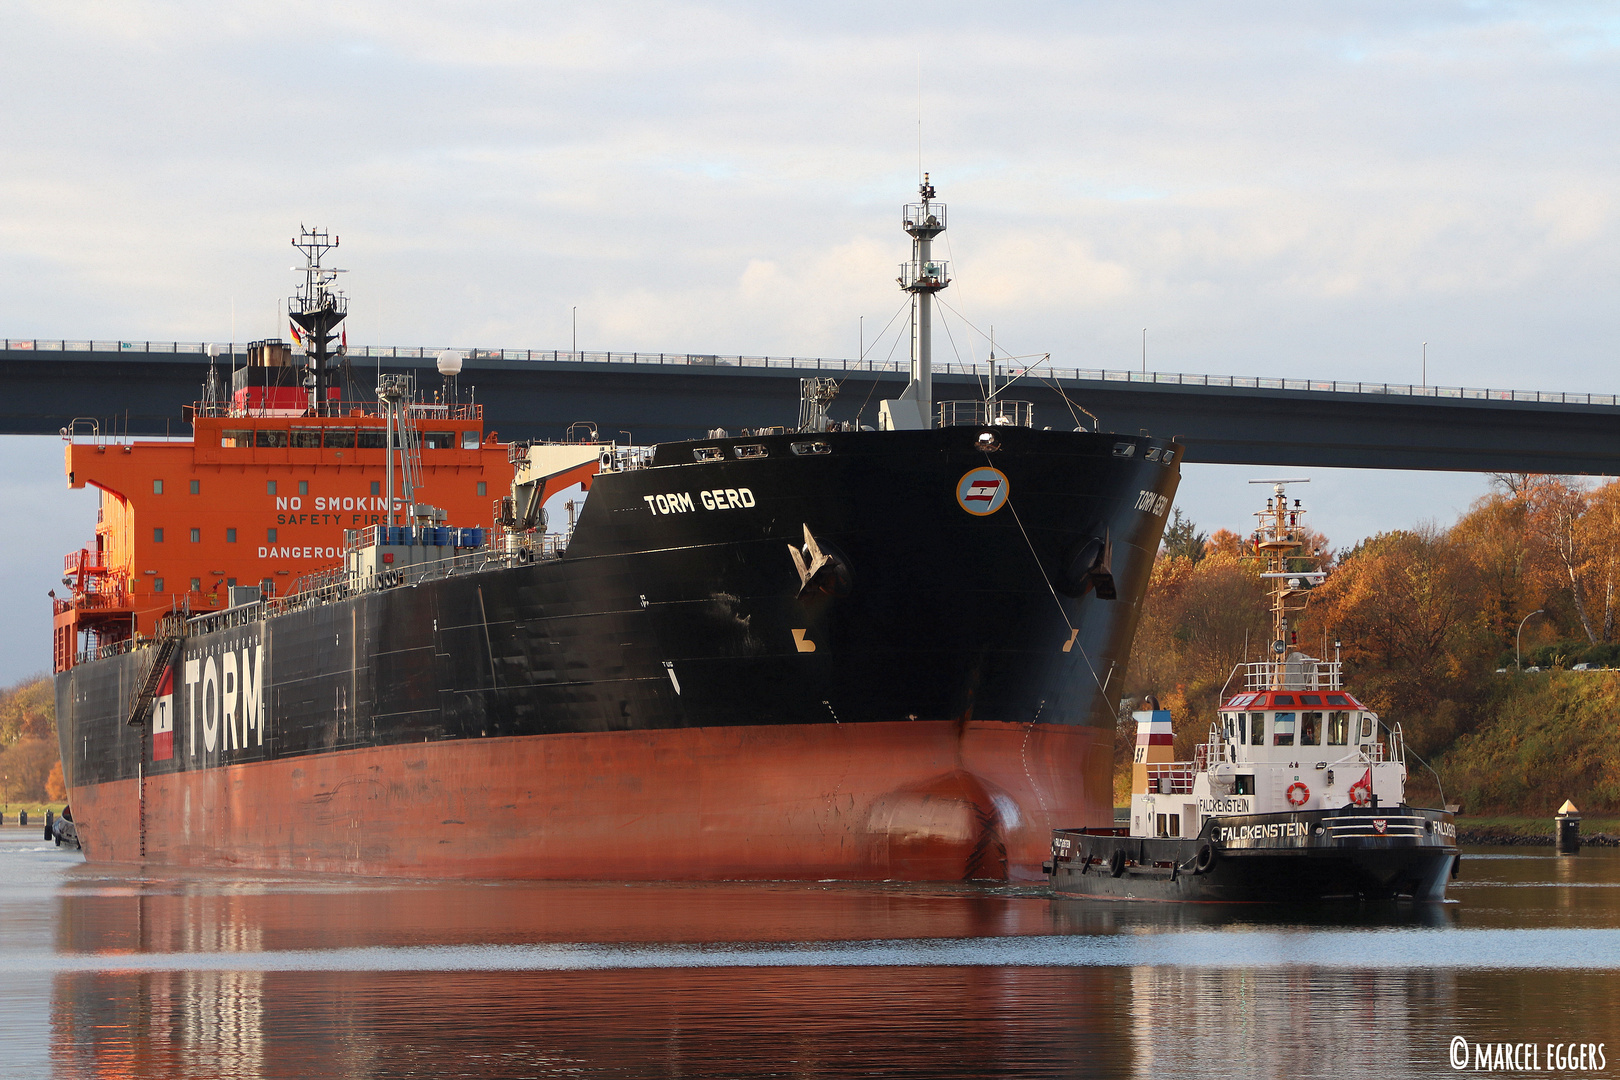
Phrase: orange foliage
x=55 y=785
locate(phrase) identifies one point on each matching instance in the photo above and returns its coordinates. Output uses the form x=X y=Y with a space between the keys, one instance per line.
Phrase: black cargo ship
x=815 y=653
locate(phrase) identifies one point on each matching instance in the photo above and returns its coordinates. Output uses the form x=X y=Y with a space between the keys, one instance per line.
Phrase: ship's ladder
x=140 y=706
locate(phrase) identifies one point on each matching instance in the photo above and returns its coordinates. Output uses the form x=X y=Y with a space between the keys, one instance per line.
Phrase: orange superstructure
x=253 y=499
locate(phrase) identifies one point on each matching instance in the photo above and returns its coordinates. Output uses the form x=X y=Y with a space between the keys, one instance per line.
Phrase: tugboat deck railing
x=1297 y=673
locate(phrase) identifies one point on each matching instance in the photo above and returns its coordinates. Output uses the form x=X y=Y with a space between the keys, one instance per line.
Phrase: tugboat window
x=1257 y=729
x=1243 y=728
x=1338 y=729
x=1175 y=825
x=1310 y=729
x=1282 y=730
x=1244 y=784
x=1366 y=727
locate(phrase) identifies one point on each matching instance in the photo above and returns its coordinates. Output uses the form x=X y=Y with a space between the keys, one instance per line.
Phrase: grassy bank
x=1541 y=739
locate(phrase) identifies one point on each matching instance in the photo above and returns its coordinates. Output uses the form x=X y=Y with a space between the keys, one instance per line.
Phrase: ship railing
x=1298 y=672
x=813 y=363
x=338 y=583
x=1172 y=777
x=980 y=413
x=343 y=410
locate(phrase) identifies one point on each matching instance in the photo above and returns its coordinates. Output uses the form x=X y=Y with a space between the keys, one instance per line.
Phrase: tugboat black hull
x=1404 y=853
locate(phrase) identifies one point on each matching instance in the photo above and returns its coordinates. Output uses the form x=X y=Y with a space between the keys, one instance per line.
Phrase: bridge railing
x=853 y=366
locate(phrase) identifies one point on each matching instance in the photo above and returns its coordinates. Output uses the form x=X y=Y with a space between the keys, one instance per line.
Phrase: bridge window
x=273 y=439
x=306 y=438
x=340 y=439
x=235 y=438
x=157 y=536
x=1310 y=728
x=1338 y=699
x=1282 y=729
x=371 y=440
x=439 y=440
x=196 y=487
x=1310 y=699
x=157 y=487
x=469 y=440
x=1366 y=727
x=1243 y=728
x=1338 y=732
x=1257 y=729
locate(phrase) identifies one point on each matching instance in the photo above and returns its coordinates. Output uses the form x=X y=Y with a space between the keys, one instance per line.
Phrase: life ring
x=1304 y=794
x=1360 y=794
x=1116 y=862
x=1204 y=861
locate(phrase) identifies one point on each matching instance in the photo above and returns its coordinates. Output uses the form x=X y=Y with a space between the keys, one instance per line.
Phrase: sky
x=1268 y=188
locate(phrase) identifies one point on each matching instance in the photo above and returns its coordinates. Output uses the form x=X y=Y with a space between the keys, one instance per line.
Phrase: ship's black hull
x=666 y=615
x=1303 y=857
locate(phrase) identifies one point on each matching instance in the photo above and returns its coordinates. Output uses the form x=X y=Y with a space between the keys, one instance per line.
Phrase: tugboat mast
x=1279 y=538
x=922 y=277
x=317 y=309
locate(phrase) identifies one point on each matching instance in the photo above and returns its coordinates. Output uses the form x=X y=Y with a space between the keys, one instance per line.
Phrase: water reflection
x=204 y=975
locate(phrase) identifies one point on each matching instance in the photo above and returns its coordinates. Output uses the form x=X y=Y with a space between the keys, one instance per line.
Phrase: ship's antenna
x=1278 y=540
x=318 y=308
x=922 y=277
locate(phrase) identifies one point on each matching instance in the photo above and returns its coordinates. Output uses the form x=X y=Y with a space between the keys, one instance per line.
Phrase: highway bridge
x=141 y=388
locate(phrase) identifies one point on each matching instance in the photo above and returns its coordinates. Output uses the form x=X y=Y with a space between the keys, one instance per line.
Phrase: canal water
x=120 y=971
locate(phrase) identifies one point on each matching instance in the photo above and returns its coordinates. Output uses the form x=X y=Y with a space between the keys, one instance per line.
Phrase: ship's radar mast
x=922 y=277
x=316 y=310
x=1281 y=540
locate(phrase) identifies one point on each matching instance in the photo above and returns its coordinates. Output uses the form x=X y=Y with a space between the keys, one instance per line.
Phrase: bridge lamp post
x=1517 y=663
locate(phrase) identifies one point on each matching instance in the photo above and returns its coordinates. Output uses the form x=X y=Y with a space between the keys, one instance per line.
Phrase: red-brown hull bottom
x=925 y=801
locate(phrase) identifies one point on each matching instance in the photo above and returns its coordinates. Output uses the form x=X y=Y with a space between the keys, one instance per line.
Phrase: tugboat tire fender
x=1204 y=861
x=1116 y=862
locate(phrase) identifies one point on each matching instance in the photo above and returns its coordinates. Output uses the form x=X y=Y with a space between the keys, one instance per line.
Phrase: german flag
x=298 y=339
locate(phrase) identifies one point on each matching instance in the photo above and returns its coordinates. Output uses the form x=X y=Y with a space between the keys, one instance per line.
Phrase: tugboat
x=1298 y=794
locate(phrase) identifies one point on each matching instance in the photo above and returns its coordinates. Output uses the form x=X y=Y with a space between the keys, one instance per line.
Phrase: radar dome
x=449 y=362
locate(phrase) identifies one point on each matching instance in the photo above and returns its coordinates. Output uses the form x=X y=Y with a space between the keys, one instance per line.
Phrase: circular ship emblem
x=982 y=492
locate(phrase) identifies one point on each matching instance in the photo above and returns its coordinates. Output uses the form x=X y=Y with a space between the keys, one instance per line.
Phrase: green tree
x=1182 y=540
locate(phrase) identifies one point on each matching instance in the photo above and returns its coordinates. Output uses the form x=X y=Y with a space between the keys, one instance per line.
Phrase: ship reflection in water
x=110 y=972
